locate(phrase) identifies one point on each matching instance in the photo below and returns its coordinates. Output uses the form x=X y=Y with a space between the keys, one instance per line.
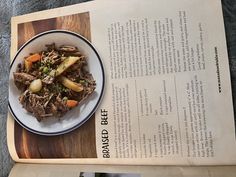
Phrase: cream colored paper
x=168 y=94
x=44 y=170
x=152 y=108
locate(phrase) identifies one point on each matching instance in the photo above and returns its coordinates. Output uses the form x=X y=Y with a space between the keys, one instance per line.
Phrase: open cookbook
x=167 y=96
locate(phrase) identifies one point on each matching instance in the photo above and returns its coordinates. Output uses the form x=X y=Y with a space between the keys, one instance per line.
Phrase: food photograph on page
x=56 y=106
x=59 y=83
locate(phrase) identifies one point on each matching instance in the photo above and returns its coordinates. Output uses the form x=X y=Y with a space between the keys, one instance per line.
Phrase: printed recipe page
x=168 y=93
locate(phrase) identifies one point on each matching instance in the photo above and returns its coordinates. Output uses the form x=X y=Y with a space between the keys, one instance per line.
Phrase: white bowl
x=73 y=118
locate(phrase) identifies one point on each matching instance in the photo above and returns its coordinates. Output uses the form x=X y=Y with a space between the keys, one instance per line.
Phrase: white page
x=45 y=170
x=168 y=94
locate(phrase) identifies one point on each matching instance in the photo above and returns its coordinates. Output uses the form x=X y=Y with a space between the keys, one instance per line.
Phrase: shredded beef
x=23 y=78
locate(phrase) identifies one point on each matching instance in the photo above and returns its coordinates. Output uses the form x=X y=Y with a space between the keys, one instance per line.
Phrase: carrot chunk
x=33 y=58
x=71 y=103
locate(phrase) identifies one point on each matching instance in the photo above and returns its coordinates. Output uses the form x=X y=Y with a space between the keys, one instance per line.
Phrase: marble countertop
x=19 y=7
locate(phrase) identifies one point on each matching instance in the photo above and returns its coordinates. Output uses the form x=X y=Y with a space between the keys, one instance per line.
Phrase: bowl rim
x=94 y=108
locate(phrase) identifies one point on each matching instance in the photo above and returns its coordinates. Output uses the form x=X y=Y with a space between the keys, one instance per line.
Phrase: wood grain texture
x=79 y=143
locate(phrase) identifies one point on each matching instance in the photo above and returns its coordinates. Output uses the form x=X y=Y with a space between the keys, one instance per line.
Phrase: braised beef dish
x=53 y=81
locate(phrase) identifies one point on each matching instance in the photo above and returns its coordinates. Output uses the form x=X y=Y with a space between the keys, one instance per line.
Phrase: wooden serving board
x=79 y=143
